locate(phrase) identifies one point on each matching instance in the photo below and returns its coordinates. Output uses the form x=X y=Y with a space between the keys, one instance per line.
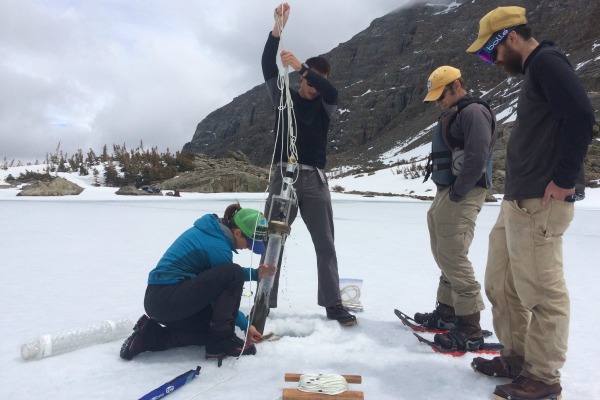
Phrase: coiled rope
x=350 y=295
x=330 y=384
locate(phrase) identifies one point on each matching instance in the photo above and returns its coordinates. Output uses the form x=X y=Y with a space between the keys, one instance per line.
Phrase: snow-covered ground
x=68 y=262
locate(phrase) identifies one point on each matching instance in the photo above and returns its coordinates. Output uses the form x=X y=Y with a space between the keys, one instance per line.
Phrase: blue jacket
x=207 y=244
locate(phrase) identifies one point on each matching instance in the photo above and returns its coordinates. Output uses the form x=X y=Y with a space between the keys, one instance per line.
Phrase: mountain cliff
x=382 y=72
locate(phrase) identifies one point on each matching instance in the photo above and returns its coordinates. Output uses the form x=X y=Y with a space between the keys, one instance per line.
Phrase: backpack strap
x=461 y=104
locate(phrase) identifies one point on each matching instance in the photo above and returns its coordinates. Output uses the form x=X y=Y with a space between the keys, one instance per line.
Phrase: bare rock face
x=381 y=74
x=56 y=187
x=233 y=174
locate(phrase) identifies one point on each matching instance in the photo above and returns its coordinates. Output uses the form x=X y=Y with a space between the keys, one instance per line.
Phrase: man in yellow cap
x=460 y=164
x=544 y=161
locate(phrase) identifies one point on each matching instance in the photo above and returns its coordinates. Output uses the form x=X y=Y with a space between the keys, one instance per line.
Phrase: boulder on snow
x=133 y=191
x=56 y=187
x=228 y=175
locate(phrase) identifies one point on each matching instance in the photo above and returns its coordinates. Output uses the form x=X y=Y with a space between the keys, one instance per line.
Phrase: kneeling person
x=194 y=293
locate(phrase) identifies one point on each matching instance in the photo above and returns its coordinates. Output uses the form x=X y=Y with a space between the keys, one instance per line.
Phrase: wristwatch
x=303 y=69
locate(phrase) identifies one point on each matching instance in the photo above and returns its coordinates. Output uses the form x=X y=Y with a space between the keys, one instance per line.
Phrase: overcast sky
x=89 y=73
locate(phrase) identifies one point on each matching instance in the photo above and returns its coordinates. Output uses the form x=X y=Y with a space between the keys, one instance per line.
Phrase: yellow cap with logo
x=438 y=80
x=496 y=20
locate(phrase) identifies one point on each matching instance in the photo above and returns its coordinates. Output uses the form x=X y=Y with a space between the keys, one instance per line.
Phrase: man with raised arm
x=313 y=104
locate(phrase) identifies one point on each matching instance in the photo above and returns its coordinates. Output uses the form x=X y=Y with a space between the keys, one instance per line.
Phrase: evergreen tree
x=96 y=174
x=105 y=157
x=111 y=176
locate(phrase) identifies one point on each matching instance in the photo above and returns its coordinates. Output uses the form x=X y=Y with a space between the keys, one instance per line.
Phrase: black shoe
x=441 y=318
x=232 y=346
x=134 y=344
x=457 y=340
x=433 y=321
x=341 y=315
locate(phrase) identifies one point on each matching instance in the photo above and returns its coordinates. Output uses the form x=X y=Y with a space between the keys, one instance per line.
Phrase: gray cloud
x=87 y=74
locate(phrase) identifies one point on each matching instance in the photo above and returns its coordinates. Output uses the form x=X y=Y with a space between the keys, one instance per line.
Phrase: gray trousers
x=314 y=202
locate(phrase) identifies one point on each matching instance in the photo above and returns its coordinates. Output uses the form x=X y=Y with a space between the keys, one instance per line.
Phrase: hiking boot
x=440 y=318
x=466 y=335
x=523 y=388
x=497 y=367
x=457 y=340
x=232 y=346
x=341 y=315
x=135 y=344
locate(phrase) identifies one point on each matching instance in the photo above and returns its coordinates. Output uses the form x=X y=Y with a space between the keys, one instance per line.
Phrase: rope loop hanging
x=286 y=119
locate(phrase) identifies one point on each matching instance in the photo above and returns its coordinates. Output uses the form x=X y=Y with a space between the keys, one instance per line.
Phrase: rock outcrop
x=232 y=174
x=56 y=187
x=133 y=191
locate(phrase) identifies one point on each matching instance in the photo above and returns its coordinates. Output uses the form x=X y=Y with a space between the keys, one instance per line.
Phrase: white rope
x=350 y=295
x=214 y=385
x=330 y=384
x=282 y=84
x=285 y=107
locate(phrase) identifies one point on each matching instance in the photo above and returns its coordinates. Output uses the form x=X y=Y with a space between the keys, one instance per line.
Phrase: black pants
x=197 y=310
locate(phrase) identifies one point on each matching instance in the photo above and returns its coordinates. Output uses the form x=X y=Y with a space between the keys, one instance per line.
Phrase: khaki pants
x=451 y=227
x=524 y=282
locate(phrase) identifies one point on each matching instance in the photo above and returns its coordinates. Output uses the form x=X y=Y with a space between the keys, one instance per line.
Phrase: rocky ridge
x=381 y=74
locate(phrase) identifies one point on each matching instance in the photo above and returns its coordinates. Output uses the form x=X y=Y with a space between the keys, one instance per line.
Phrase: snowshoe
x=484 y=348
x=415 y=326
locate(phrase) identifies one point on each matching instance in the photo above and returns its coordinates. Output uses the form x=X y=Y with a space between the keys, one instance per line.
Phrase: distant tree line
x=122 y=167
